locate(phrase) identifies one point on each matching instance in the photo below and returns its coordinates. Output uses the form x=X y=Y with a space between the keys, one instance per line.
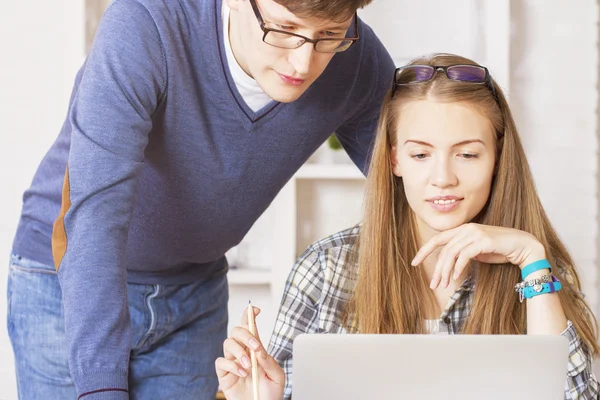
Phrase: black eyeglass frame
x=487 y=79
x=266 y=31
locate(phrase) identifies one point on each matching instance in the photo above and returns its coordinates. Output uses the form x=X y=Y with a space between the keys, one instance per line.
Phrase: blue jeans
x=177 y=333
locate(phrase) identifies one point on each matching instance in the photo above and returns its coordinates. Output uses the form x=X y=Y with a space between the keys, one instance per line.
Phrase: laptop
x=465 y=367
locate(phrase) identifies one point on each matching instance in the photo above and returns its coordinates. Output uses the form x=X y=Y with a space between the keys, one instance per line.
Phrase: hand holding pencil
x=247 y=371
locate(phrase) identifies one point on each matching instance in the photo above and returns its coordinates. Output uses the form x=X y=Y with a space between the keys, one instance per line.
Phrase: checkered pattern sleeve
x=297 y=313
x=316 y=292
x=581 y=384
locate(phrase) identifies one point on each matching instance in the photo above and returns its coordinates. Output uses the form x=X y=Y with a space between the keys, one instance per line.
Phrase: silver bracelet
x=533 y=282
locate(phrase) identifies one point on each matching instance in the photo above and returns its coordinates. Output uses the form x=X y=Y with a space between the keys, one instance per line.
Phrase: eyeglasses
x=288 y=40
x=413 y=74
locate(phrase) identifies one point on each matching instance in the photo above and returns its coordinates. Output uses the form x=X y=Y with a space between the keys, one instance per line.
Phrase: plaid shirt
x=321 y=284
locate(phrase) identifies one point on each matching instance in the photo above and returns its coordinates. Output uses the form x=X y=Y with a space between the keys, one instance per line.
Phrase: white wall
x=554 y=97
x=554 y=71
x=39 y=58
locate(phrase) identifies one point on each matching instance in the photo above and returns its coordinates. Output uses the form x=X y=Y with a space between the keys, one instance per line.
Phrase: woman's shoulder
x=342 y=240
x=331 y=258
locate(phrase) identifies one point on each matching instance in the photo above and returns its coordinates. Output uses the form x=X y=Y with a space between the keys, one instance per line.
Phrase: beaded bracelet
x=528 y=291
x=532 y=282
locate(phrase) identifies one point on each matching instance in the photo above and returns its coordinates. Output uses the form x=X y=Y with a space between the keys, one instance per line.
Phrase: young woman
x=454 y=240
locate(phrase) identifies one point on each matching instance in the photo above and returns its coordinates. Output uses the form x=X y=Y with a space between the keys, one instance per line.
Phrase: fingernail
x=412 y=262
x=432 y=285
x=242 y=372
x=245 y=362
x=253 y=344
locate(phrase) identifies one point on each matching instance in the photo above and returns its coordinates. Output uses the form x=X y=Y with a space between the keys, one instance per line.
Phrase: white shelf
x=329 y=171
x=249 y=276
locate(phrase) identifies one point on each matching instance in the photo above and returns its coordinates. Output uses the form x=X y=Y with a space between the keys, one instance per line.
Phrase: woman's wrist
x=536 y=253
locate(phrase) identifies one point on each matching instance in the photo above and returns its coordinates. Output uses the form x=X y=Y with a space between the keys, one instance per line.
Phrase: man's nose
x=301 y=58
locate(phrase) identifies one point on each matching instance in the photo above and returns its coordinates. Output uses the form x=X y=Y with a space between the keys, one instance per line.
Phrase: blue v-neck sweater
x=160 y=166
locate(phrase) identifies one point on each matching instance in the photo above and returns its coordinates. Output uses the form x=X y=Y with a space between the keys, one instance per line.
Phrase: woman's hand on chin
x=488 y=244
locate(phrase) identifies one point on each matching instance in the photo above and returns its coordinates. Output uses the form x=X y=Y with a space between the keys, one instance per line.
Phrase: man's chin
x=284 y=93
x=286 y=96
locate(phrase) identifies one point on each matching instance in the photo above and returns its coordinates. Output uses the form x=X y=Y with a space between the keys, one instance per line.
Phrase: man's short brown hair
x=335 y=10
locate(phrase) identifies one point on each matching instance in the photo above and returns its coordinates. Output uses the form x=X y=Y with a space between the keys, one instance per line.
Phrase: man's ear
x=394 y=162
x=233 y=4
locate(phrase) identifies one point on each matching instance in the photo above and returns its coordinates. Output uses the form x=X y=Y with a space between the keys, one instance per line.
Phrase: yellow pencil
x=252 y=329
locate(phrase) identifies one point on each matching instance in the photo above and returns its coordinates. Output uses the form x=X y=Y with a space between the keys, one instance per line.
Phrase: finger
x=256 y=311
x=237 y=346
x=437 y=275
x=234 y=349
x=256 y=334
x=228 y=372
x=470 y=252
x=270 y=367
x=257 y=343
x=243 y=340
x=448 y=262
x=264 y=360
x=438 y=240
x=242 y=335
x=224 y=367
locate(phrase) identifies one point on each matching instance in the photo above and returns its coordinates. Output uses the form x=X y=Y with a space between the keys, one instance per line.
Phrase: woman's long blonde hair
x=392 y=296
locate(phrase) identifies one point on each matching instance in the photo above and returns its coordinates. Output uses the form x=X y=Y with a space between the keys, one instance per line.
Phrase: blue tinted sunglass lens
x=466 y=73
x=414 y=74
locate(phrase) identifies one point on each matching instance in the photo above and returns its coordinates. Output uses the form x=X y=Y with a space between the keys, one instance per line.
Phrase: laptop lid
x=465 y=367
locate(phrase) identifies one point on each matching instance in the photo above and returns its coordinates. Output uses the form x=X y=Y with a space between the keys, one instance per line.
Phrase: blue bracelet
x=535 y=266
x=550 y=287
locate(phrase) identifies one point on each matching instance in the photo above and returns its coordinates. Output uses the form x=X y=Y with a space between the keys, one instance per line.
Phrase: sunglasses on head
x=414 y=74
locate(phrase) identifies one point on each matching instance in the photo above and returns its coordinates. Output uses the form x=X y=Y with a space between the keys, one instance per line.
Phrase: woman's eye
x=468 y=156
x=329 y=33
x=419 y=156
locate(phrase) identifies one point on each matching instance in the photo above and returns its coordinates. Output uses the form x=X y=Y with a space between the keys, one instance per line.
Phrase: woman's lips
x=445 y=204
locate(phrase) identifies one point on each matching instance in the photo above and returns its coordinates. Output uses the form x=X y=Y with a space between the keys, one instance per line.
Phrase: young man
x=185 y=121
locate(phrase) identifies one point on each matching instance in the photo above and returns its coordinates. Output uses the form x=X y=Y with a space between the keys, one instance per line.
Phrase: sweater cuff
x=102 y=385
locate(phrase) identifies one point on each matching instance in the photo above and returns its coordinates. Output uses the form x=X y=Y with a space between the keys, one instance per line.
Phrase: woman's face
x=445 y=154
